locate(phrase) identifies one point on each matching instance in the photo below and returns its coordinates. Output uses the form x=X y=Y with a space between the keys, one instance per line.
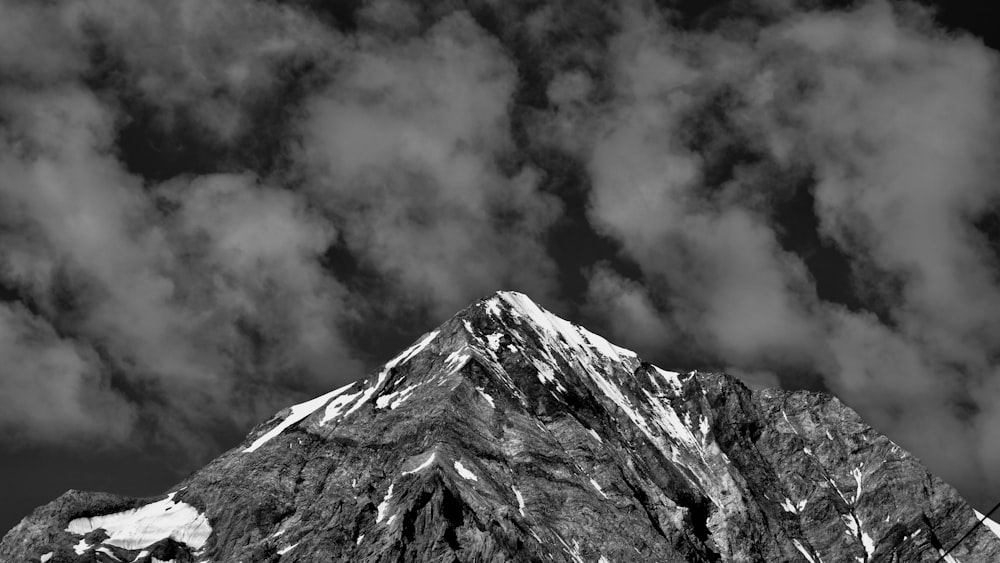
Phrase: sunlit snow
x=593 y=483
x=547 y=375
x=108 y=552
x=493 y=341
x=487 y=396
x=993 y=526
x=338 y=404
x=574 y=551
x=668 y=421
x=869 y=544
x=856 y=530
x=576 y=336
x=285 y=550
x=805 y=553
x=520 y=499
x=299 y=413
x=671 y=377
x=857 y=477
x=146 y=525
x=422 y=466
x=465 y=473
x=382 y=375
x=396 y=398
x=456 y=360
x=384 y=505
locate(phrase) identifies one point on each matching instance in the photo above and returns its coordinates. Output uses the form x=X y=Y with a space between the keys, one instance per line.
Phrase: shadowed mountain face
x=509 y=434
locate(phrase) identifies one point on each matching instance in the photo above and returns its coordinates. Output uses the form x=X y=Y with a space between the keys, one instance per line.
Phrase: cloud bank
x=209 y=210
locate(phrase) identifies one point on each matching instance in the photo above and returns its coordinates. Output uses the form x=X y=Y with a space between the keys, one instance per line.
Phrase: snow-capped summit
x=510 y=434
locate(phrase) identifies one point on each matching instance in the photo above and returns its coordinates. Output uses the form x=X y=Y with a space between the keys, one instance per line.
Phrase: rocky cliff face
x=509 y=434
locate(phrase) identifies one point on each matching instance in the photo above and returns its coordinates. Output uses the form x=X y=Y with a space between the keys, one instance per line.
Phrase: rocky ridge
x=509 y=434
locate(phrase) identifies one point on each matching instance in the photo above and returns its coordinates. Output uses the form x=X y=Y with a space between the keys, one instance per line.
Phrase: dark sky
x=212 y=209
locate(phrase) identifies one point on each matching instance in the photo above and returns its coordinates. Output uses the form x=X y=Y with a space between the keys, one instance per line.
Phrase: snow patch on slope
x=337 y=406
x=422 y=466
x=286 y=549
x=81 y=547
x=576 y=336
x=992 y=525
x=561 y=343
x=597 y=487
x=383 y=374
x=487 y=396
x=671 y=377
x=396 y=398
x=465 y=473
x=856 y=472
x=546 y=374
x=493 y=341
x=299 y=413
x=108 y=552
x=805 y=553
x=146 y=525
x=384 y=505
x=520 y=499
x=457 y=360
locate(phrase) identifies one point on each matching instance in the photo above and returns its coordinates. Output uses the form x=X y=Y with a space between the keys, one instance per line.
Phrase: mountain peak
x=559 y=331
x=504 y=328
x=510 y=434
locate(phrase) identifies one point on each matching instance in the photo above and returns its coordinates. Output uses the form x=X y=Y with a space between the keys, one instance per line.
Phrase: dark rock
x=508 y=434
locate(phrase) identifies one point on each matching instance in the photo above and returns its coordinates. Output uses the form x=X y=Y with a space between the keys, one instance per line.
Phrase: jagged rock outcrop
x=509 y=434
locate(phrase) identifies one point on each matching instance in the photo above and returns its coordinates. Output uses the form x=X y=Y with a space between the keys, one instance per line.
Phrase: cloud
x=724 y=279
x=199 y=302
x=208 y=63
x=627 y=307
x=891 y=120
x=260 y=247
x=405 y=152
x=218 y=301
x=54 y=390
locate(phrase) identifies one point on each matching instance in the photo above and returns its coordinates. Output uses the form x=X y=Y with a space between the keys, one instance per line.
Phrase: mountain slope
x=509 y=434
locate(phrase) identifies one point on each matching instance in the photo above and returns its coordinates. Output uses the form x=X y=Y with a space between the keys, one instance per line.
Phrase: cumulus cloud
x=220 y=299
x=54 y=389
x=206 y=62
x=198 y=302
x=725 y=281
x=889 y=118
x=405 y=151
x=206 y=300
x=628 y=309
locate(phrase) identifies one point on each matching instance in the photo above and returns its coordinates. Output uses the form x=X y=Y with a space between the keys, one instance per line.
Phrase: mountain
x=510 y=434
